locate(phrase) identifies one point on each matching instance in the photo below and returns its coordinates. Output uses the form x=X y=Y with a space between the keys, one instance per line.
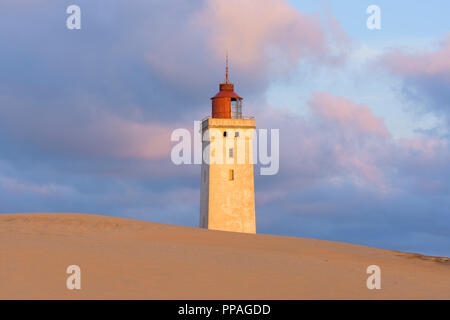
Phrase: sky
x=364 y=117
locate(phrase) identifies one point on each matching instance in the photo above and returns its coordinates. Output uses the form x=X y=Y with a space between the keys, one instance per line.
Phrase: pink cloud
x=425 y=146
x=424 y=153
x=87 y=130
x=336 y=146
x=419 y=63
x=346 y=113
x=425 y=76
x=252 y=30
x=340 y=43
x=264 y=38
x=344 y=143
x=129 y=139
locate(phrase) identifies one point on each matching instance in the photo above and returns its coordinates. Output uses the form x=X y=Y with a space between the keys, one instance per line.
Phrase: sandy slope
x=131 y=259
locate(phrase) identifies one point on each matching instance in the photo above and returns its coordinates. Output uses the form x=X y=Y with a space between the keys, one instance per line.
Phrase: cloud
x=89 y=131
x=425 y=75
x=163 y=59
x=336 y=144
x=344 y=143
x=120 y=89
x=252 y=30
x=341 y=45
x=265 y=39
x=19 y=187
x=346 y=114
x=428 y=63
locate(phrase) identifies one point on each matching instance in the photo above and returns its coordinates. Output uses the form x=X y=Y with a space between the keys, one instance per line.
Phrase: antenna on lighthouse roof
x=226 y=70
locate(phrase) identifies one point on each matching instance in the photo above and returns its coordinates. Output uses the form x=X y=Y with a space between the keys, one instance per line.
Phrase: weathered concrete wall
x=204 y=196
x=226 y=204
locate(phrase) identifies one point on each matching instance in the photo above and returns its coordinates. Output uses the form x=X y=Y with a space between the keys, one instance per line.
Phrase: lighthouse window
x=236 y=108
x=231 y=174
x=236 y=134
x=230 y=152
x=224 y=133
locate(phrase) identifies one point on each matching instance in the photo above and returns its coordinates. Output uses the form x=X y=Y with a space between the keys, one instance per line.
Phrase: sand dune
x=131 y=259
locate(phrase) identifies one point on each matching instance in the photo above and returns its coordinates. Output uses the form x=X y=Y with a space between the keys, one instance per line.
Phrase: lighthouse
x=227 y=195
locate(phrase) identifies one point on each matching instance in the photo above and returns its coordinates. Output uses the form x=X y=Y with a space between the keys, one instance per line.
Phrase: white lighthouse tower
x=227 y=195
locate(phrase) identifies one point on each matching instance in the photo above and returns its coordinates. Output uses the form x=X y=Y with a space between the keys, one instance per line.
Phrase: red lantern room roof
x=227 y=91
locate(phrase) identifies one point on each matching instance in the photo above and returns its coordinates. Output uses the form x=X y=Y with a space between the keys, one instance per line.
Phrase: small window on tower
x=236 y=134
x=224 y=133
x=230 y=153
x=231 y=174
